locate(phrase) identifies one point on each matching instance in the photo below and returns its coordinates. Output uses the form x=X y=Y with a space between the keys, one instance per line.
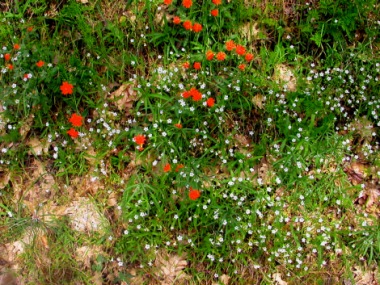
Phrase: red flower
x=221 y=56
x=197 y=65
x=230 y=45
x=178 y=126
x=168 y=2
x=197 y=27
x=10 y=66
x=26 y=76
x=214 y=12
x=195 y=94
x=16 y=46
x=217 y=2
x=186 y=94
x=240 y=50
x=186 y=65
x=7 y=56
x=176 y=20
x=140 y=140
x=29 y=29
x=167 y=167
x=187 y=25
x=209 y=55
x=210 y=102
x=66 y=88
x=241 y=66
x=187 y=3
x=40 y=63
x=194 y=194
x=179 y=166
x=76 y=120
x=73 y=133
x=249 y=57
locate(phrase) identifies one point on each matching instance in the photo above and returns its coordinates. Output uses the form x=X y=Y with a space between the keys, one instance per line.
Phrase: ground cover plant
x=189 y=142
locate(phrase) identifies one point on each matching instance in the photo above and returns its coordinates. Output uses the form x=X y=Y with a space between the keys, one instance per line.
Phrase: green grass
x=284 y=150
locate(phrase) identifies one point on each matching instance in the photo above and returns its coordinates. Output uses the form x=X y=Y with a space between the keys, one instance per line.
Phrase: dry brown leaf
x=285 y=75
x=86 y=185
x=12 y=251
x=356 y=172
x=170 y=267
x=42 y=239
x=373 y=197
x=278 y=280
x=365 y=278
x=225 y=279
x=258 y=100
x=37 y=147
x=249 y=31
x=124 y=97
x=97 y=278
x=85 y=254
x=26 y=125
x=90 y=156
x=4 y=178
x=136 y=279
x=242 y=141
x=265 y=172
x=7 y=278
x=112 y=199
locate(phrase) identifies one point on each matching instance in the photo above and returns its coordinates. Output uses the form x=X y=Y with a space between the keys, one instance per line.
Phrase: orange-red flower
x=197 y=28
x=16 y=46
x=209 y=55
x=214 y=12
x=176 y=20
x=220 y=56
x=186 y=65
x=194 y=194
x=73 y=133
x=140 y=140
x=187 y=25
x=179 y=166
x=10 y=66
x=187 y=3
x=249 y=57
x=7 y=56
x=217 y=2
x=240 y=50
x=210 y=102
x=195 y=94
x=168 y=2
x=230 y=45
x=66 y=88
x=29 y=29
x=186 y=94
x=76 y=120
x=167 y=167
x=197 y=65
x=40 y=63
x=178 y=126
x=241 y=66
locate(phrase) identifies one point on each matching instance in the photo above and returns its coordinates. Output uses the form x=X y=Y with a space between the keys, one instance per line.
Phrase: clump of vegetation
x=213 y=142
